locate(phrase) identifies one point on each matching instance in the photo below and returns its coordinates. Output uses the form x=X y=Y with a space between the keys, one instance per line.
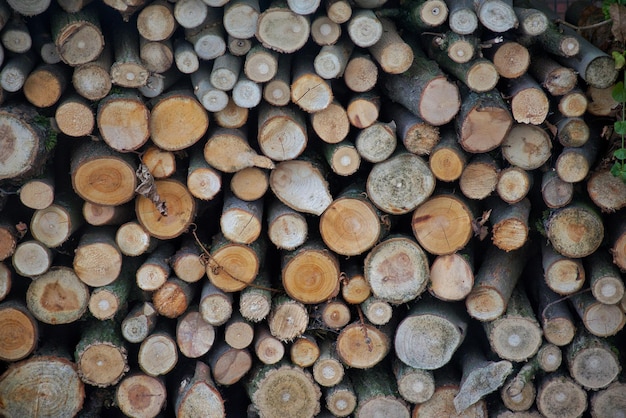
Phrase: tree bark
x=376 y=392
x=92 y=80
x=555 y=78
x=139 y=322
x=127 y=70
x=110 y=300
x=199 y=395
x=496 y=15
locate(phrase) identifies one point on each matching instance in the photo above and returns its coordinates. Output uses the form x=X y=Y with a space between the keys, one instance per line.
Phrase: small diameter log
x=139 y=322
x=452 y=275
x=376 y=392
x=397 y=269
x=393 y=54
x=97 y=260
x=364 y=28
x=331 y=124
x=224 y=74
x=141 y=395
x=158 y=354
x=555 y=78
x=187 y=261
x=92 y=80
x=125 y=8
x=559 y=396
x=173 y=298
x=31 y=258
x=288 y=318
x=255 y=301
x=605 y=280
x=287 y=228
x=58 y=296
x=592 y=361
x=281 y=29
x=377 y=142
x=232 y=116
x=341 y=399
x=480 y=377
x=510 y=58
x=532 y=22
x=176 y=133
x=123 y=121
x=57 y=222
x=496 y=15
x=430 y=334
x=462 y=17
x=333 y=314
x=483 y=122
x=527 y=146
x=228 y=364
x=411 y=180
x=459 y=48
x=15 y=71
x=156 y=21
x=495 y=280
x=109 y=300
x=260 y=64
x=553 y=314
x=352 y=215
x=480 y=177
x=598 y=318
x=233 y=266
x=6 y=280
x=194 y=336
x=282 y=133
x=284 y=390
x=557 y=193
x=185 y=58
x=238 y=332
x=324 y=31
x=199 y=395
x=27 y=143
x=606 y=191
x=277 y=91
x=354 y=287
x=249 y=184
x=529 y=103
x=573 y=103
x=414 y=385
x=216 y=306
x=127 y=70
x=19 y=331
x=447 y=160
x=361 y=345
x=443 y=223
x=516 y=335
x=601 y=101
x=361 y=73
x=155 y=270
x=304 y=350
x=290 y=178
x=75 y=117
x=377 y=311
x=16 y=36
x=180 y=208
x=190 y=13
x=240 y=18
x=574 y=163
x=308 y=90
x=101 y=175
x=608 y=402
x=132 y=239
x=518 y=393
x=268 y=349
x=432 y=96
x=331 y=60
x=593 y=65
x=21 y=384
x=241 y=221
x=363 y=109
x=208 y=39
x=238 y=47
x=228 y=150
x=157 y=56
x=478 y=74
x=564 y=275
x=514 y=184
x=45 y=84
x=328 y=370
x=100 y=354
x=160 y=163
x=77 y=36
x=575 y=230
x=549 y=358
x=509 y=223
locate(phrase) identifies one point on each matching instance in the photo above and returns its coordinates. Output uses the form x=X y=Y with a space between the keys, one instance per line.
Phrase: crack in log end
x=56 y=299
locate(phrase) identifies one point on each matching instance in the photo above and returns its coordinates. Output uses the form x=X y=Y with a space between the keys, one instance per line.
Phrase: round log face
x=594 y=368
x=350 y=226
x=362 y=346
x=389 y=406
x=105 y=181
x=157 y=355
x=18 y=334
x=16 y=160
x=123 y=123
x=451 y=277
x=575 y=233
x=561 y=397
x=178 y=122
x=236 y=266
x=610 y=402
x=441 y=404
x=80 y=43
x=102 y=365
x=97 y=264
x=141 y=395
x=515 y=339
x=440 y=101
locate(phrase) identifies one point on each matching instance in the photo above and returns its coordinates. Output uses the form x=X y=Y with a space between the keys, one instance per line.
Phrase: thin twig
x=581 y=28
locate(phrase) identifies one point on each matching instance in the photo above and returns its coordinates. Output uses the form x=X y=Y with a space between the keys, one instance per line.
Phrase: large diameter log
x=310 y=274
x=41 y=385
x=410 y=179
x=430 y=334
x=26 y=143
x=361 y=345
x=199 y=395
x=443 y=224
x=397 y=269
x=559 y=396
x=282 y=30
x=141 y=395
x=592 y=361
x=234 y=266
x=284 y=390
x=608 y=402
x=495 y=280
x=58 y=296
x=424 y=90
x=376 y=392
x=180 y=210
x=123 y=120
x=77 y=36
x=576 y=230
x=19 y=331
x=301 y=185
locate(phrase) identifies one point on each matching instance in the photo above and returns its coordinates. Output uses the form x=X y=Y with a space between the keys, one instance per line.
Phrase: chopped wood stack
x=368 y=208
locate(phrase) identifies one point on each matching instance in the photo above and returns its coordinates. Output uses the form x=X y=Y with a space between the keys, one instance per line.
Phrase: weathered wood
x=157 y=56
x=377 y=142
x=15 y=71
x=139 y=322
x=92 y=80
x=139 y=394
x=31 y=258
x=608 y=401
x=560 y=396
x=127 y=70
x=555 y=78
x=514 y=184
x=325 y=31
x=123 y=120
x=496 y=15
x=156 y=21
x=556 y=193
x=576 y=230
x=532 y=22
x=328 y=370
x=605 y=280
x=376 y=310
x=240 y=18
x=199 y=394
x=377 y=394
x=592 y=361
x=228 y=364
x=282 y=29
x=194 y=336
x=598 y=318
x=208 y=39
x=282 y=133
x=185 y=58
x=414 y=385
x=341 y=399
x=107 y=301
x=564 y=275
x=77 y=36
x=16 y=37
x=6 y=281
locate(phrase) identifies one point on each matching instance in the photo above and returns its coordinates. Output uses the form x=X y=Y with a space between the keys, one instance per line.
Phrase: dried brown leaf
x=147 y=188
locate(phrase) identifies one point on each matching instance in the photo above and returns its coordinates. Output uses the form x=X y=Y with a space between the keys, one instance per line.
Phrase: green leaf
x=620 y=127
x=620 y=154
x=619 y=92
x=619 y=59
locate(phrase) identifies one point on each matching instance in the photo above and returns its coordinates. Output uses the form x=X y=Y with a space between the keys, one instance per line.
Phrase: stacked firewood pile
x=368 y=207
